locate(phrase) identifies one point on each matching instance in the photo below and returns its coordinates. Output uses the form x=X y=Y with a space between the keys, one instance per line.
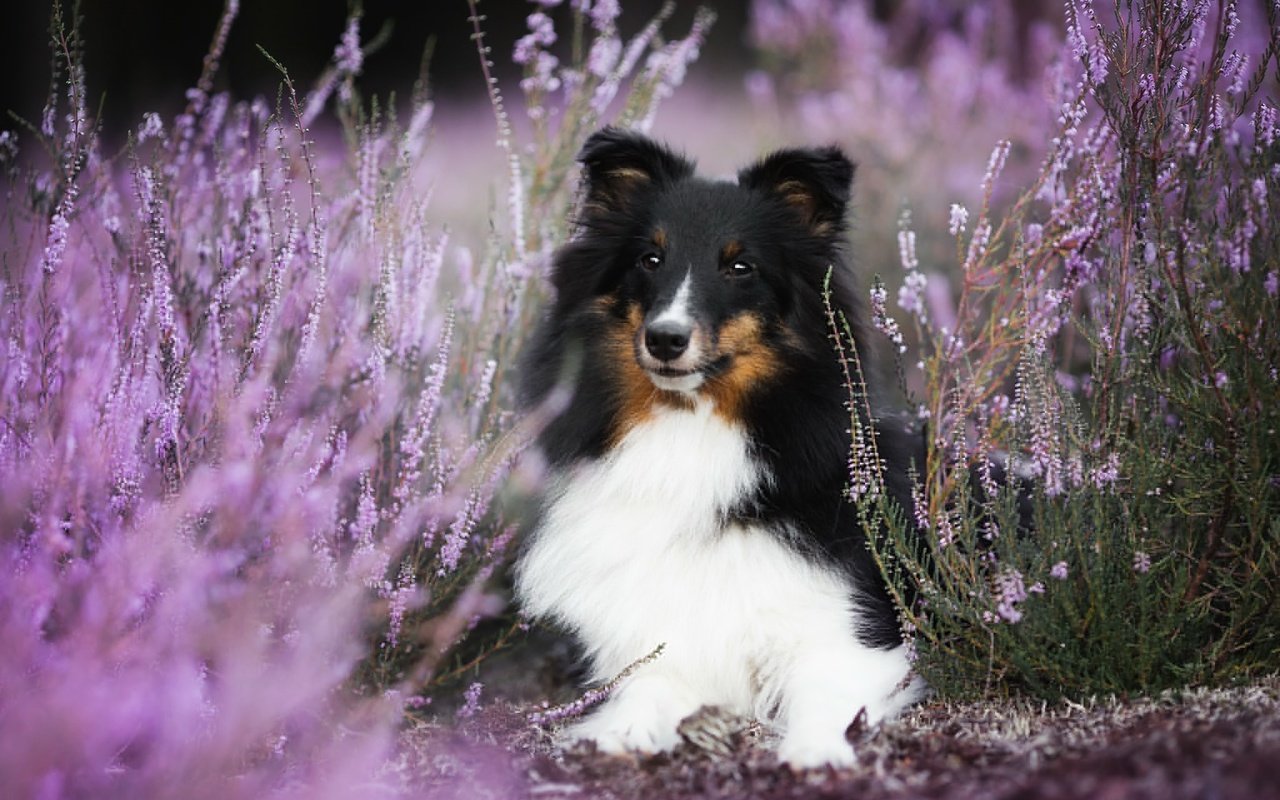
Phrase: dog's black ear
x=816 y=182
x=621 y=165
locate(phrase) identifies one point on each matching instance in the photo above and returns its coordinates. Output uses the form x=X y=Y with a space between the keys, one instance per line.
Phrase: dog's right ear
x=621 y=166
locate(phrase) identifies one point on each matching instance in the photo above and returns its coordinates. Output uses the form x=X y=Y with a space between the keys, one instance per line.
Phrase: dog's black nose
x=666 y=340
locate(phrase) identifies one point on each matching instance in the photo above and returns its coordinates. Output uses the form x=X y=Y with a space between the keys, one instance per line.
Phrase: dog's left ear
x=816 y=182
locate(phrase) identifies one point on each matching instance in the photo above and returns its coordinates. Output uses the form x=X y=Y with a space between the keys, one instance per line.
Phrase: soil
x=1222 y=743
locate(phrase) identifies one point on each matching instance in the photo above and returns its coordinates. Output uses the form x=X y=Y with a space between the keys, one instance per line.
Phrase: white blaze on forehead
x=678 y=309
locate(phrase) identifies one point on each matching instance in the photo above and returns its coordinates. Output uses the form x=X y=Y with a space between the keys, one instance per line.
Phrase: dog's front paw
x=807 y=749
x=642 y=716
x=616 y=734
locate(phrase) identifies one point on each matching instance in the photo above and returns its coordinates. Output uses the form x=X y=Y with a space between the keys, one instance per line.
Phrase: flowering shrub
x=917 y=93
x=602 y=82
x=253 y=423
x=255 y=445
x=1114 y=333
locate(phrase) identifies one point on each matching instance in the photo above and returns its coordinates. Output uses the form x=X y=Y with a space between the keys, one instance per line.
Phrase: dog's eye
x=740 y=269
x=650 y=261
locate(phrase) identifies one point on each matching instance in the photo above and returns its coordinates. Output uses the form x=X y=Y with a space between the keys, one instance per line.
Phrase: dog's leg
x=642 y=715
x=824 y=692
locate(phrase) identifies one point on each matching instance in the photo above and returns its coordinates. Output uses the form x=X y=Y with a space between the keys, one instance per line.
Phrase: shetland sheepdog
x=698 y=472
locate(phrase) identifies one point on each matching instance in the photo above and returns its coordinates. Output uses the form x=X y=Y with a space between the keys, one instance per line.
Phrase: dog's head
x=713 y=278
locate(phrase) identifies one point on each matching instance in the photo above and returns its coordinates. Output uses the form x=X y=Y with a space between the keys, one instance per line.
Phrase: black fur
x=787 y=215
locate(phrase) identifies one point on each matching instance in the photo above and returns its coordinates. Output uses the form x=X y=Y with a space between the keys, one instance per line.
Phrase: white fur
x=678 y=310
x=632 y=552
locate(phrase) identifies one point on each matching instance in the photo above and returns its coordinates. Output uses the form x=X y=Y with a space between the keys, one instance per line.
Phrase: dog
x=698 y=470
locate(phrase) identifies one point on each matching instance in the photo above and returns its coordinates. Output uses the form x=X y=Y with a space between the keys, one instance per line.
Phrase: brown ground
x=1196 y=744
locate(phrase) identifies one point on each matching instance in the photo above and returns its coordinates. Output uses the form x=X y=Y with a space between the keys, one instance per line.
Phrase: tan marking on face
x=731 y=251
x=660 y=238
x=752 y=362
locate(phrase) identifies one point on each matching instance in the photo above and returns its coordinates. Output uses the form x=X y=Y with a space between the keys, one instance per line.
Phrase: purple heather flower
x=1266 y=129
x=910 y=295
x=1220 y=379
x=1010 y=591
x=1236 y=68
x=348 y=55
x=881 y=319
x=1059 y=571
x=8 y=147
x=995 y=165
x=977 y=245
x=525 y=49
x=542 y=33
x=1141 y=562
x=485 y=390
x=1075 y=469
x=1272 y=283
x=919 y=507
x=907 y=247
x=459 y=534
x=399 y=600
x=56 y=242
x=603 y=13
x=542 y=77
x=668 y=66
x=946 y=532
x=604 y=55
x=152 y=127
x=1233 y=19
x=471 y=701
x=1107 y=473
x=959 y=218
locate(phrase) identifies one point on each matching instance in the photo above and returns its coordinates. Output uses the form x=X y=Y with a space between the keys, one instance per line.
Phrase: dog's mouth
x=677 y=379
x=673 y=372
x=672 y=379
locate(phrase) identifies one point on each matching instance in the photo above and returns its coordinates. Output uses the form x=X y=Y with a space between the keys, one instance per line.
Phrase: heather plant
x=603 y=79
x=598 y=78
x=1112 y=346
x=259 y=464
x=918 y=93
x=236 y=412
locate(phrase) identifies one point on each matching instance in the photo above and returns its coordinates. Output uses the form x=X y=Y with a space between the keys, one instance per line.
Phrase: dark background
x=142 y=55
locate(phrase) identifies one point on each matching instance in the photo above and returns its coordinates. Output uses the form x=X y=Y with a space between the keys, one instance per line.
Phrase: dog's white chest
x=632 y=515
x=692 y=463
x=634 y=551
